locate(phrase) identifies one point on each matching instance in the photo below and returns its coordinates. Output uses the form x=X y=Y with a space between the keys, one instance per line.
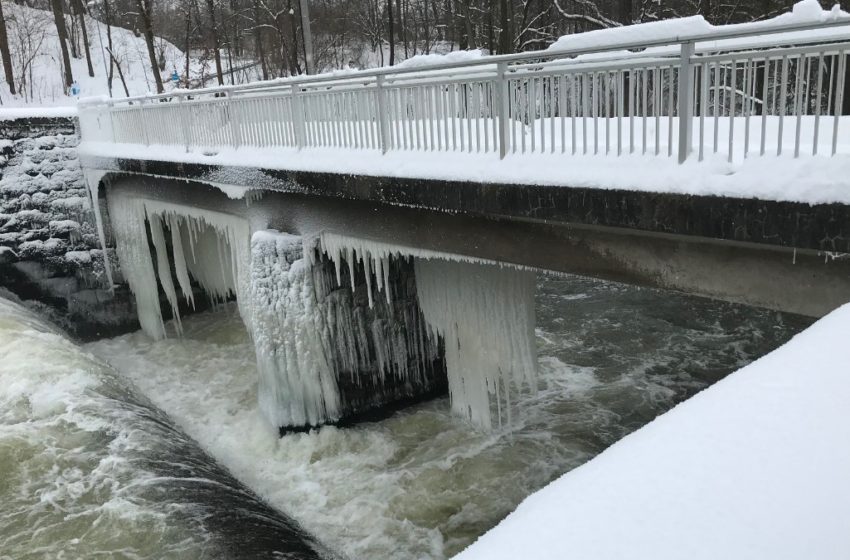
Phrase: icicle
x=219 y=247
x=349 y=257
x=163 y=267
x=93 y=182
x=367 y=269
x=386 y=267
x=131 y=241
x=180 y=260
x=486 y=315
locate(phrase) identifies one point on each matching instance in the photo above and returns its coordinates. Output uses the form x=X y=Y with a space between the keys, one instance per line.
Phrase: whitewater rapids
x=424 y=484
x=91 y=469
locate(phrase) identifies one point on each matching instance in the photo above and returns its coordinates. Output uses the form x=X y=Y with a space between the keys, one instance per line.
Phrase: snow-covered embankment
x=757 y=467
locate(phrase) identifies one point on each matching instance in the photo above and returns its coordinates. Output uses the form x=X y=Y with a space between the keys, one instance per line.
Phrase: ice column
x=485 y=314
x=131 y=243
x=298 y=386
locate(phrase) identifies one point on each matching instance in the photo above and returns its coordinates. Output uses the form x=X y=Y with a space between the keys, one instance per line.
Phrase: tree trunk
x=107 y=16
x=188 y=31
x=391 y=31
x=294 y=67
x=402 y=26
x=5 y=55
x=506 y=41
x=216 y=45
x=120 y=73
x=81 y=14
x=626 y=12
x=145 y=11
x=62 y=33
x=471 y=43
x=307 y=36
x=258 y=39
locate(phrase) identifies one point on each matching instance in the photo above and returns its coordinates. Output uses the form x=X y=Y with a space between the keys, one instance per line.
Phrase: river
x=421 y=484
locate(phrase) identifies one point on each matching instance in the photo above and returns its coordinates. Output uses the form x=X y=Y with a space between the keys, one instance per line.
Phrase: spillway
x=92 y=468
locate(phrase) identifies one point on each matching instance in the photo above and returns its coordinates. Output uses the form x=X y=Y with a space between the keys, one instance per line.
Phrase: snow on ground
x=756 y=466
x=803 y=12
x=32 y=36
x=37 y=112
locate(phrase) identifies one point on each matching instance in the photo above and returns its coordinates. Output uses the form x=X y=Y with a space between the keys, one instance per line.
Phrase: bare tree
x=145 y=10
x=5 y=55
x=62 y=32
x=390 y=31
x=80 y=8
x=28 y=32
x=216 y=44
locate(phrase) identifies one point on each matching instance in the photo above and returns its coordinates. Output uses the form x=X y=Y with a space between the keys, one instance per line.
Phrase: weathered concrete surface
x=822 y=227
x=801 y=281
x=50 y=254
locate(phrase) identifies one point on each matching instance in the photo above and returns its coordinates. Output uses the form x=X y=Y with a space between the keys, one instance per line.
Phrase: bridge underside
x=779 y=255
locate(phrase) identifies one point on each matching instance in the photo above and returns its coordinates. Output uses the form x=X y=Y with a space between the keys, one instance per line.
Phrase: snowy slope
x=755 y=467
x=32 y=35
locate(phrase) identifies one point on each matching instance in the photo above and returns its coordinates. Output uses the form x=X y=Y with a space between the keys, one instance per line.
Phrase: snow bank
x=754 y=467
x=37 y=112
x=640 y=33
x=803 y=12
x=425 y=60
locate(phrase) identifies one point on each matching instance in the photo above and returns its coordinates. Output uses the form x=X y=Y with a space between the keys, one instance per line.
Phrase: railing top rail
x=716 y=38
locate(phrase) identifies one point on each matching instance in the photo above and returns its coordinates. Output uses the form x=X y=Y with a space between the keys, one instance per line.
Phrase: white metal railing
x=748 y=90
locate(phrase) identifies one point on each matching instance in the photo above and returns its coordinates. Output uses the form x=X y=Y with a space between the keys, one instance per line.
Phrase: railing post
x=144 y=123
x=383 y=115
x=110 y=107
x=235 y=122
x=184 y=130
x=297 y=116
x=686 y=101
x=504 y=108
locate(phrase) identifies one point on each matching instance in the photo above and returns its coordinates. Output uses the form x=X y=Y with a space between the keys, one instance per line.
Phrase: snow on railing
x=737 y=91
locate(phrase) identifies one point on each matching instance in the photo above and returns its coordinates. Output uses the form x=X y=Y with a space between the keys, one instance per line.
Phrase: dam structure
x=380 y=230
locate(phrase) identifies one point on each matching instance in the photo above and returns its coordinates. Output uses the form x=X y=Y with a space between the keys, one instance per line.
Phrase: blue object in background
x=75 y=89
x=175 y=77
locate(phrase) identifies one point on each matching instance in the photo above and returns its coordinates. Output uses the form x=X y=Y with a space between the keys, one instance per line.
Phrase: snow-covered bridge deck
x=612 y=109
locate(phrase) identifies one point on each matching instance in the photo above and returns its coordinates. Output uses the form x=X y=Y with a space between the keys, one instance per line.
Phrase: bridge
x=709 y=161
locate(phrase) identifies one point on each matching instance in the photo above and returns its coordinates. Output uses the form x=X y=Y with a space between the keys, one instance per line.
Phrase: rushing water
x=90 y=469
x=423 y=484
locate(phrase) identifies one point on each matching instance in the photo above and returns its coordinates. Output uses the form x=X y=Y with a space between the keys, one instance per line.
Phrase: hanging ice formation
x=211 y=246
x=483 y=311
x=485 y=314
x=297 y=384
x=343 y=334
